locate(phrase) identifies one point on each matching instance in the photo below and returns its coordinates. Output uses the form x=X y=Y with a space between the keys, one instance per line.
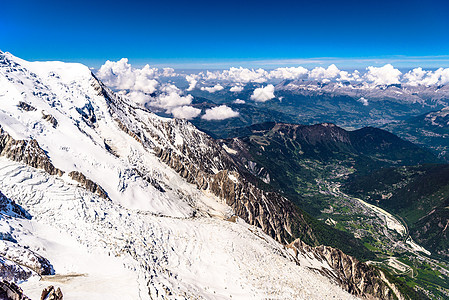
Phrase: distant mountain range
x=309 y=102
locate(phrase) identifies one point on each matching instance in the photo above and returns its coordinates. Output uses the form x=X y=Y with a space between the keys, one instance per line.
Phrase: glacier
x=154 y=235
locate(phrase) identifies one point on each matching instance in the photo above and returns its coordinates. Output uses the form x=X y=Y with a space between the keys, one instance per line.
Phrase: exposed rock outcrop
x=11 y=271
x=10 y=291
x=10 y=208
x=50 y=293
x=26 y=151
x=25 y=106
x=202 y=161
x=51 y=119
x=25 y=257
x=126 y=130
x=267 y=210
x=354 y=276
x=88 y=184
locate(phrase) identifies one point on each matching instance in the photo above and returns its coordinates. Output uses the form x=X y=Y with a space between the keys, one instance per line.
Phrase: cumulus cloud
x=168 y=72
x=239 y=101
x=289 y=73
x=418 y=76
x=236 y=88
x=320 y=73
x=219 y=113
x=213 y=89
x=121 y=75
x=137 y=97
x=238 y=75
x=383 y=75
x=415 y=76
x=172 y=100
x=185 y=112
x=263 y=94
x=192 y=80
x=352 y=77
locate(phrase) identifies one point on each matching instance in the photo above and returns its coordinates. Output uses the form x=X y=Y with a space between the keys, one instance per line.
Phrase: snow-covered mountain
x=109 y=201
x=428 y=95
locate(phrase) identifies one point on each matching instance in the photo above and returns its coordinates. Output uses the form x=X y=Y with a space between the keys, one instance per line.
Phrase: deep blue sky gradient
x=189 y=33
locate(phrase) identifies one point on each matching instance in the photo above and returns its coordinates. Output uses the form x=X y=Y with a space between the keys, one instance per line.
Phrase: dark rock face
x=267 y=210
x=88 y=184
x=24 y=257
x=126 y=130
x=27 y=152
x=30 y=153
x=10 y=208
x=50 y=293
x=354 y=276
x=25 y=106
x=88 y=114
x=12 y=272
x=51 y=119
x=10 y=291
x=18 y=262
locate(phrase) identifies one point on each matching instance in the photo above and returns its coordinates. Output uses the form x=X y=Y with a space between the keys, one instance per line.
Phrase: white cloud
x=364 y=101
x=236 y=88
x=352 y=77
x=263 y=94
x=213 y=89
x=138 y=97
x=238 y=75
x=415 y=76
x=185 y=112
x=172 y=100
x=289 y=73
x=239 y=101
x=121 y=75
x=219 y=113
x=320 y=73
x=168 y=72
x=192 y=80
x=383 y=75
x=420 y=77
x=245 y=75
x=169 y=88
x=443 y=75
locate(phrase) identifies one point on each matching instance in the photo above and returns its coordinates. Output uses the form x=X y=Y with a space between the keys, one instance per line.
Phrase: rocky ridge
x=10 y=291
x=356 y=277
x=205 y=163
x=202 y=161
x=194 y=155
x=26 y=151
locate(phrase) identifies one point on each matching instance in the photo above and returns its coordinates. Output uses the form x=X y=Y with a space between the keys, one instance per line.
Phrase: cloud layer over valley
x=174 y=93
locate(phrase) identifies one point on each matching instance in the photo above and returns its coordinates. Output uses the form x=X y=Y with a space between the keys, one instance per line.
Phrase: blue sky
x=218 y=34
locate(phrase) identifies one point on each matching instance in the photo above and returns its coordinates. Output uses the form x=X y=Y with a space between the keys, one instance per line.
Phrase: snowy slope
x=155 y=235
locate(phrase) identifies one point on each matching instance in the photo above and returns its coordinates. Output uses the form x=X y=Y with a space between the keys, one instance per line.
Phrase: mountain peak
x=98 y=175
